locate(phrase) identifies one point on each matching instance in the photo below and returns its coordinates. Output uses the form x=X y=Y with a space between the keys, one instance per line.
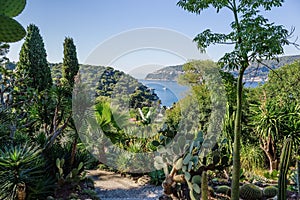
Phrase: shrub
x=22 y=169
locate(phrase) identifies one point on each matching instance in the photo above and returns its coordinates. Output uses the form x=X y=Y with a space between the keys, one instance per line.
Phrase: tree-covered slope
x=257 y=72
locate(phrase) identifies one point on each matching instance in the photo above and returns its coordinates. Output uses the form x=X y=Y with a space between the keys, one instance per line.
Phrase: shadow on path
x=112 y=186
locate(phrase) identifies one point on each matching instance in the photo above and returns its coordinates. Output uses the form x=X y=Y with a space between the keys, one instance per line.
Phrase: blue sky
x=91 y=22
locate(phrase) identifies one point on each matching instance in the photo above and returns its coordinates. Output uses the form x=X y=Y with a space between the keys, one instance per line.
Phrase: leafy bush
x=23 y=165
x=252 y=157
x=157 y=177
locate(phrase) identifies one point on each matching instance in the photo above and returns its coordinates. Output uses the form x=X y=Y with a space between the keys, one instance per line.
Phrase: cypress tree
x=70 y=66
x=33 y=65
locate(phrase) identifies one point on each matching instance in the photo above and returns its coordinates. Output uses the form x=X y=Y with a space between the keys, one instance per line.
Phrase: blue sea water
x=170 y=92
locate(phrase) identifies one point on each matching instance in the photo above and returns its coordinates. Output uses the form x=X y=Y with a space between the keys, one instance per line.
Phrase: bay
x=170 y=92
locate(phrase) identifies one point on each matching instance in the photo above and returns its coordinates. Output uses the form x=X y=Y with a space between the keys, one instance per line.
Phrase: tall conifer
x=70 y=62
x=33 y=65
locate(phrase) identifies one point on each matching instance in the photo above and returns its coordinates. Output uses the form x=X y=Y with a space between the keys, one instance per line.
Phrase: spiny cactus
x=190 y=164
x=284 y=166
x=12 y=8
x=10 y=29
x=250 y=192
x=223 y=189
x=270 y=191
x=204 y=186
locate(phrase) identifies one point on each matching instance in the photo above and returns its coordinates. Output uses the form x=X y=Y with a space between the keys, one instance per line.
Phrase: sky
x=91 y=23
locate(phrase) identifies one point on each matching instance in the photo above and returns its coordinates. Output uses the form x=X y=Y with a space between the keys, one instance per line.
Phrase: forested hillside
x=257 y=72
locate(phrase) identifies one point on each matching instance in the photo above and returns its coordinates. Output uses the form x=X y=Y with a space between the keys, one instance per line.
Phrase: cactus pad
x=12 y=8
x=10 y=30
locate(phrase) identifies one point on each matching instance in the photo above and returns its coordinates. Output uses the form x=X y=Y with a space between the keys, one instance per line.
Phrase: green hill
x=257 y=72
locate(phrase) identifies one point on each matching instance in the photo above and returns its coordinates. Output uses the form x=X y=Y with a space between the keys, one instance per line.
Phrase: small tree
x=70 y=63
x=33 y=66
x=254 y=38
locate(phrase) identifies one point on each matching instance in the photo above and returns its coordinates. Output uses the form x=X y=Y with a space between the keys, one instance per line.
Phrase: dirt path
x=112 y=186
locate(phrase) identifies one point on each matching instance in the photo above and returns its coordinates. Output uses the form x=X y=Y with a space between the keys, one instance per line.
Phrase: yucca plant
x=20 y=165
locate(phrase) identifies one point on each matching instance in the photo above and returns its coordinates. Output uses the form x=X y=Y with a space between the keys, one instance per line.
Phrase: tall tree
x=33 y=65
x=70 y=69
x=70 y=63
x=253 y=38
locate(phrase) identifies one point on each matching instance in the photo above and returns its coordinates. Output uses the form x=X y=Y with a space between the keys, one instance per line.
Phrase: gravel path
x=112 y=186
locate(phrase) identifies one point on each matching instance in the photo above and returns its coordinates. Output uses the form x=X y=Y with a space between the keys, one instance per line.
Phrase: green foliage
x=157 y=177
x=284 y=166
x=124 y=90
x=12 y=8
x=272 y=175
x=33 y=66
x=254 y=38
x=275 y=112
x=11 y=30
x=251 y=157
x=70 y=66
x=223 y=189
x=270 y=191
x=23 y=165
x=250 y=192
x=73 y=177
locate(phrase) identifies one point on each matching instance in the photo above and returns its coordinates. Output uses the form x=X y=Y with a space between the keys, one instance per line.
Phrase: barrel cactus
x=270 y=191
x=250 y=192
x=223 y=189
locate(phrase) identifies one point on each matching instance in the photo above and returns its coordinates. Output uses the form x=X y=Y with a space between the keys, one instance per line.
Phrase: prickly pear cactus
x=12 y=8
x=250 y=192
x=10 y=29
x=270 y=191
x=189 y=162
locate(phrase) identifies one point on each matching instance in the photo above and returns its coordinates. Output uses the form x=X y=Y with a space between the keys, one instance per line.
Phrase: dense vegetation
x=256 y=72
x=53 y=117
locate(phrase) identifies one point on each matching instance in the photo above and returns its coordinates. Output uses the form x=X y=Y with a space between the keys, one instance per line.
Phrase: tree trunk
x=237 y=139
x=269 y=150
x=73 y=152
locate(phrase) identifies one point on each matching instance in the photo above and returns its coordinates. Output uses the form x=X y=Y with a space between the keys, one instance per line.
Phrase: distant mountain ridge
x=253 y=73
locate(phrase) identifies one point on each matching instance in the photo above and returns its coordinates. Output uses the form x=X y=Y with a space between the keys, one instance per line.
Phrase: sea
x=169 y=92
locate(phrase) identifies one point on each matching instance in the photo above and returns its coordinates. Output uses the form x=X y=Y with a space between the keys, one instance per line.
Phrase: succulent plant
x=284 y=166
x=223 y=189
x=250 y=192
x=270 y=191
x=10 y=29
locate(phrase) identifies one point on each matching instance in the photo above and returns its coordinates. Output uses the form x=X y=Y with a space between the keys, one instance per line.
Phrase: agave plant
x=20 y=165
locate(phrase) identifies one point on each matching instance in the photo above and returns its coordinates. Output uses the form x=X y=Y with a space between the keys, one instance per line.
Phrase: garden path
x=113 y=186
